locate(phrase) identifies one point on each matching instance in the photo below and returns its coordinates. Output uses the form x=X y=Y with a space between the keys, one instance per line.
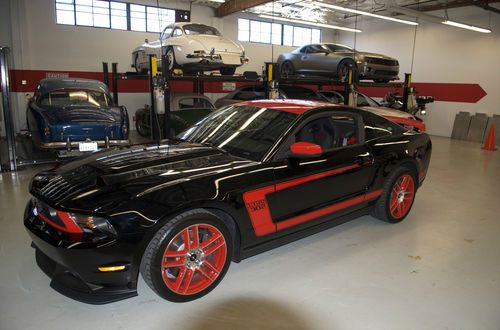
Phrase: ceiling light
x=328 y=26
x=435 y=19
x=466 y=26
x=360 y=12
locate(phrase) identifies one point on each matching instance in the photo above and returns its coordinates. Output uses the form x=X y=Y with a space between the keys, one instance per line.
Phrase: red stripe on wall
x=27 y=80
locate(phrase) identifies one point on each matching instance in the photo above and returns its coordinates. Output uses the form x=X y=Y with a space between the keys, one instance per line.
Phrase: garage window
x=277 y=34
x=114 y=15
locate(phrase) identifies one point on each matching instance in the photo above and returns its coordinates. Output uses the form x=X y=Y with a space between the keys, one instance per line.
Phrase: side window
x=167 y=32
x=177 y=32
x=376 y=127
x=194 y=103
x=362 y=102
x=330 y=132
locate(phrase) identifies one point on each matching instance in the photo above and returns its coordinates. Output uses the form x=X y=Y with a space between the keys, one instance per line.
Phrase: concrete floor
x=439 y=269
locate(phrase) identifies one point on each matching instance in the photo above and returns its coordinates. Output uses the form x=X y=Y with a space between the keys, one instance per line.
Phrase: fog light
x=111 y=268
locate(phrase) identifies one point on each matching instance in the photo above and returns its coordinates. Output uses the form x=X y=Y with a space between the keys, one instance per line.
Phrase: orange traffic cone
x=489 y=144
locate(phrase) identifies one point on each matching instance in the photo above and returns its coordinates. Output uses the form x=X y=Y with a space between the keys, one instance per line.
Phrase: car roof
x=49 y=84
x=288 y=105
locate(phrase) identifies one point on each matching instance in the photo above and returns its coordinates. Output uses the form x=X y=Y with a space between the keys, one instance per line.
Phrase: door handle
x=363 y=160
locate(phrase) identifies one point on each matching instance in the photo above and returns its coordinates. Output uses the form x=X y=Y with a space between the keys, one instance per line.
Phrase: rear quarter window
x=377 y=127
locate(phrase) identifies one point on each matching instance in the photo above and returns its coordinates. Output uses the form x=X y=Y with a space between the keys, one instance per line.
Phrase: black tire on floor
x=382 y=209
x=156 y=265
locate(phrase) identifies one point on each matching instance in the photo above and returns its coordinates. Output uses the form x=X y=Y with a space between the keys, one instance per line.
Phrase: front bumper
x=73 y=267
x=74 y=144
x=379 y=71
x=229 y=59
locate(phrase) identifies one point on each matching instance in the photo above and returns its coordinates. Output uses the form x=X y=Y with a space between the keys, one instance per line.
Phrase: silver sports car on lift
x=334 y=60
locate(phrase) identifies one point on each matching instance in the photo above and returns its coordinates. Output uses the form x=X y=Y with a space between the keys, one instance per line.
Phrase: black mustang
x=247 y=178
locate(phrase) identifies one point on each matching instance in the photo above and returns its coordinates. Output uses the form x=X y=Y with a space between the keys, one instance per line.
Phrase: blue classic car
x=76 y=113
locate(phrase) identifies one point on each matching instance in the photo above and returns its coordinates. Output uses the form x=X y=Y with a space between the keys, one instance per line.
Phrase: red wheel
x=402 y=195
x=188 y=256
x=194 y=259
x=397 y=199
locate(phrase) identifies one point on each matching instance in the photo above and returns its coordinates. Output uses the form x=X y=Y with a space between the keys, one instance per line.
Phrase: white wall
x=443 y=54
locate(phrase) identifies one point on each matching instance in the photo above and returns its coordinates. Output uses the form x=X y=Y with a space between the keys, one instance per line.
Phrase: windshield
x=200 y=29
x=338 y=48
x=243 y=131
x=66 y=97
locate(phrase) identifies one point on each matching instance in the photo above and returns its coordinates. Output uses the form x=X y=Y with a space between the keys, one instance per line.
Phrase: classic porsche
x=247 y=178
x=75 y=113
x=192 y=47
x=334 y=60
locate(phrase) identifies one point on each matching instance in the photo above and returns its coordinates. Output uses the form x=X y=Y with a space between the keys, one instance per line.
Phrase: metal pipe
x=406 y=91
x=9 y=127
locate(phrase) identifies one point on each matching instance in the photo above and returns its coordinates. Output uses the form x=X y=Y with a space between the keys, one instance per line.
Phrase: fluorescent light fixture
x=466 y=26
x=360 y=12
x=328 y=26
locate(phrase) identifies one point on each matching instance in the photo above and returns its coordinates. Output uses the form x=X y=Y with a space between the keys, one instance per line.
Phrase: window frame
x=248 y=33
x=110 y=9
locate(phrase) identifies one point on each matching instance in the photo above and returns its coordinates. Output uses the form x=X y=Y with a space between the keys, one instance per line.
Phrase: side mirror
x=305 y=150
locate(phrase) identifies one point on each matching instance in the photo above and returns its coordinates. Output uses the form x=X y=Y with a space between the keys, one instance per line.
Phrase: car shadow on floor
x=248 y=313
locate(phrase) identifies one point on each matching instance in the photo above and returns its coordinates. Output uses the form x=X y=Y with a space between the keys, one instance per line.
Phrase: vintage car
x=185 y=110
x=328 y=59
x=192 y=47
x=256 y=92
x=247 y=178
x=75 y=113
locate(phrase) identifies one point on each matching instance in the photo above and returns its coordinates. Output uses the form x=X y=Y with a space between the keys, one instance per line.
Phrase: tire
x=172 y=63
x=343 y=70
x=136 y=65
x=141 y=129
x=228 y=71
x=287 y=69
x=398 y=196
x=179 y=273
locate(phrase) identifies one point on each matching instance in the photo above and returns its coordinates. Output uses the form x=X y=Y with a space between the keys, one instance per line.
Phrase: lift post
x=348 y=87
x=166 y=95
x=153 y=72
x=11 y=164
x=271 y=80
x=105 y=73
x=406 y=91
x=114 y=70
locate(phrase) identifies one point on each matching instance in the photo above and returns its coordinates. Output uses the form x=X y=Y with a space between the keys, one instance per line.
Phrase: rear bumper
x=74 y=144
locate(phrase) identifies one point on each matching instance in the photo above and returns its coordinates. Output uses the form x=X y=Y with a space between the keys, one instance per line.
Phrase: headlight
x=79 y=227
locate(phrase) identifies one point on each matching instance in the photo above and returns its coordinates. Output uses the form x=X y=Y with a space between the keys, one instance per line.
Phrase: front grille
x=69 y=183
x=381 y=61
x=386 y=73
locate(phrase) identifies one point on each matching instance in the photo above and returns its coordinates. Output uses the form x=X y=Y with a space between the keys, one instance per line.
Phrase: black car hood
x=73 y=114
x=96 y=182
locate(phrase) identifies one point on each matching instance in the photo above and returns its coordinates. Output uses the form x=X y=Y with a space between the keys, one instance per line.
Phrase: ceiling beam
x=233 y=6
x=451 y=4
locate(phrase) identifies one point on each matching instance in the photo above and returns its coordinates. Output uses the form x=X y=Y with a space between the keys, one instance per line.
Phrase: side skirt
x=274 y=243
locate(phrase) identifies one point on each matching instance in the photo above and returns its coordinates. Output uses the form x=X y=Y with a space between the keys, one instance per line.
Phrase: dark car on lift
x=403 y=118
x=245 y=179
x=70 y=112
x=185 y=110
x=258 y=92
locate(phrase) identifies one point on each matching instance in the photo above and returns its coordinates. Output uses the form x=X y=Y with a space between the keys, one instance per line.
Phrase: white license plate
x=87 y=146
